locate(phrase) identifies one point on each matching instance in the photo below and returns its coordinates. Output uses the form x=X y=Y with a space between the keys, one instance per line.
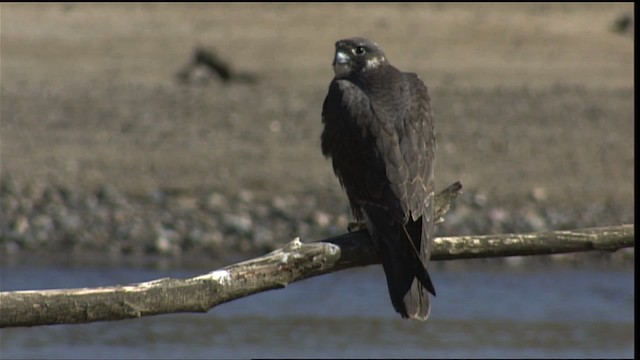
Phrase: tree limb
x=294 y=262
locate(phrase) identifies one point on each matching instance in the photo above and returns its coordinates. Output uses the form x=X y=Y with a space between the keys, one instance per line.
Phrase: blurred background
x=125 y=158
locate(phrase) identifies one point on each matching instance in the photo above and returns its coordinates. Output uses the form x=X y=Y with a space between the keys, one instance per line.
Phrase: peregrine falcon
x=378 y=132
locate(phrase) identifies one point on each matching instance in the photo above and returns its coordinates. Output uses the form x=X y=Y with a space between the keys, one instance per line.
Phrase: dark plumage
x=378 y=131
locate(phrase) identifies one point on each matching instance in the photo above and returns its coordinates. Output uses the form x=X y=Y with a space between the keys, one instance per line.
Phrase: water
x=482 y=311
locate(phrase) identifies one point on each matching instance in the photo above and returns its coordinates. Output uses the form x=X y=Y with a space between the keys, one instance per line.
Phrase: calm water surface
x=482 y=311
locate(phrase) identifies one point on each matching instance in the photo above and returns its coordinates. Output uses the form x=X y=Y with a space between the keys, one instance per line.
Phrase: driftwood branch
x=293 y=262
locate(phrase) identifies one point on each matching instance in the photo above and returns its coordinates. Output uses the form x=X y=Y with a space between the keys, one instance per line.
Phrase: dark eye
x=360 y=50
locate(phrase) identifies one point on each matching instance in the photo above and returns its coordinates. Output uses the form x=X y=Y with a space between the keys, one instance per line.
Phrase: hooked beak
x=341 y=58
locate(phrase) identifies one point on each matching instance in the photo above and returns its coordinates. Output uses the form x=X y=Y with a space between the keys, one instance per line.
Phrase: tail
x=405 y=249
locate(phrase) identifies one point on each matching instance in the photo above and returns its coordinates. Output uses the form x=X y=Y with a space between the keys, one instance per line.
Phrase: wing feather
x=398 y=128
x=382 y=145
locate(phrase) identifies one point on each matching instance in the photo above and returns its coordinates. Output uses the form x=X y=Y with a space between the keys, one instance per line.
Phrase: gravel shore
x=49 y=219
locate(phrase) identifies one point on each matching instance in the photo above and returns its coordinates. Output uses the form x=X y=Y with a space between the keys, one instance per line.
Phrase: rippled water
x=482 y=310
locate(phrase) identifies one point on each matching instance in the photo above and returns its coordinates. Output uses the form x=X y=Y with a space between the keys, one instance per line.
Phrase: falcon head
x=356 y=55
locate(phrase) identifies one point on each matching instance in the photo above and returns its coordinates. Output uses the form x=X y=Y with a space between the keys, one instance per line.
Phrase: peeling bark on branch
x=294 y=262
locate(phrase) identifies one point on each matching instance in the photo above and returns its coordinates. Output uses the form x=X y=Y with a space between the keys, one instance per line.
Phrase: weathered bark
x=293 y=262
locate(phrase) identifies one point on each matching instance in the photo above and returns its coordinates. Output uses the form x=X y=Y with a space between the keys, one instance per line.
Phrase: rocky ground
x=105 y=152
x=47 y=220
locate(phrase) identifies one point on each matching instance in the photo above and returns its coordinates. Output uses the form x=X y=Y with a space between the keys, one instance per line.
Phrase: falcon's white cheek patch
x=374 y=63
